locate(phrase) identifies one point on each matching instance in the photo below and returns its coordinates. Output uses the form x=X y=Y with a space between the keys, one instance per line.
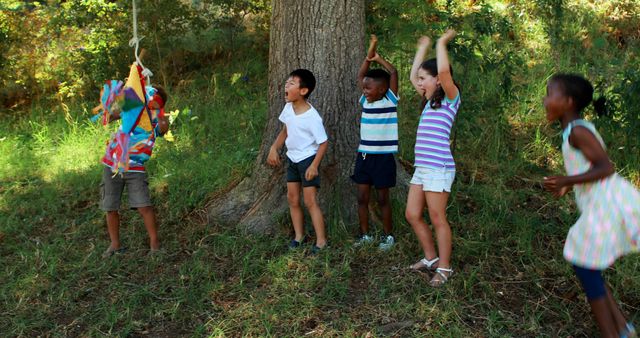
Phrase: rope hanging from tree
x=135 y=41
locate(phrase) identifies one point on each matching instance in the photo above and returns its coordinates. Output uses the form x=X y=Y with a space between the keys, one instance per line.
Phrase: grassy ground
x=511 y=279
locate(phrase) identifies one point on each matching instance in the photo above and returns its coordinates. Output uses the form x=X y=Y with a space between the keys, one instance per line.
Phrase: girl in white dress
x=609 y=205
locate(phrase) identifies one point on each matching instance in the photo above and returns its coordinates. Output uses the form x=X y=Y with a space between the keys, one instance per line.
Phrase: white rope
x=135 y=41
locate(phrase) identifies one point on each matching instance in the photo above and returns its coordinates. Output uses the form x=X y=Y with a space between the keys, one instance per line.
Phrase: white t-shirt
x=305 y=132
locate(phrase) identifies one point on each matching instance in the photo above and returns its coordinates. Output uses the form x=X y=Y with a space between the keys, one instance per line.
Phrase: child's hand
x=97 y=109
x=273 y=159
x=556 y=185
x=447 y=36
x=163 y=126
x=311 y=173
x=375 y=58
x=372 y=46
x=373 y=40
x=563 y=191
x=424 y=41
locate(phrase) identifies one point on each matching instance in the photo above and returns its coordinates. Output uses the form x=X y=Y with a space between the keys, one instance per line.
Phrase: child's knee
x=438 y=218
x=383 y=201
x=412 y=216
x=363 y=199
x=145 y=210
x=293 y=198
x=310 y=200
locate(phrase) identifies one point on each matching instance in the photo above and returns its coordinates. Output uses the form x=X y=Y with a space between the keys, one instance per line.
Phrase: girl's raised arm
x=444 y=68
x=423 y=47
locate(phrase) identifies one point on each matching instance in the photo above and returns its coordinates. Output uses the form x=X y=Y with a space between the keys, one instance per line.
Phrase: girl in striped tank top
x=609 y=223
x=434 y=165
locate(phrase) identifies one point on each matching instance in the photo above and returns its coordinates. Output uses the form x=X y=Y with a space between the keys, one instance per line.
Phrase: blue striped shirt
x=379 y=125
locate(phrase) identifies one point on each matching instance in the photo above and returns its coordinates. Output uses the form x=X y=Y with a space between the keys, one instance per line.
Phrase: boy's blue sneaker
x=387 y=242
x=363 y=240
x=110 y=252
x=316 y=250
x=294 y=244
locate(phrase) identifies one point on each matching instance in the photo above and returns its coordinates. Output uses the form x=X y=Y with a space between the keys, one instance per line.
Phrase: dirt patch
x=392 y=329
x=359 y=283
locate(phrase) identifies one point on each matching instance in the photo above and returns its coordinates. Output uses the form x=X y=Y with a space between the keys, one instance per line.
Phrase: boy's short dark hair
x=162 y=93
x=379 y=75
x=307 y=80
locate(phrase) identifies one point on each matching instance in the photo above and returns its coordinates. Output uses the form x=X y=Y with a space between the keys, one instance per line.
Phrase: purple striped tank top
x=432 y=140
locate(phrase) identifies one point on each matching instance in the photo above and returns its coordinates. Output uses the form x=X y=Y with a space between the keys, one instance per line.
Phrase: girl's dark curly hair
x=431 y=67
x=581 y=91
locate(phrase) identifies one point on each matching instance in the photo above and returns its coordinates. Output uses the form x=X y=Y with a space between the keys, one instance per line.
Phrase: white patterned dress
x=609 y=223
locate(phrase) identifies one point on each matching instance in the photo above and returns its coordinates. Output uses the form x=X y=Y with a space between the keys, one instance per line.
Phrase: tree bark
x=326 y=37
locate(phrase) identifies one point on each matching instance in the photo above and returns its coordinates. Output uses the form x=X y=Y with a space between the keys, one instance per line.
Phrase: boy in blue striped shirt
x=375 y=163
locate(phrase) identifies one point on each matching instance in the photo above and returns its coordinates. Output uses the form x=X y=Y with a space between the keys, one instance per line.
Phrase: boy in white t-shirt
x=306 y=142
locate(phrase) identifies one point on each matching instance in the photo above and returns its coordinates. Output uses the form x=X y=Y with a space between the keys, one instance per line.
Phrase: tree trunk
x=326 y=37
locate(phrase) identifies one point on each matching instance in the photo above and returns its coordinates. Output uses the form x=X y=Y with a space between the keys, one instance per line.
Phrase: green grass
x=511 y=278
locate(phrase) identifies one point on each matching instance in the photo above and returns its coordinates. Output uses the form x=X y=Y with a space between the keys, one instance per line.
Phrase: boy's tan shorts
x=112 y=187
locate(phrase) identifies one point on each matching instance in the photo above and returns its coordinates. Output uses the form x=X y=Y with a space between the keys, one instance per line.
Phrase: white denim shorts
x=432 y=179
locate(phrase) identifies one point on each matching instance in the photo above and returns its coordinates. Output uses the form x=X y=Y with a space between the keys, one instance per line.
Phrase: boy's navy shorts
x=378 y=170
x=296 y=171
x=112 y=187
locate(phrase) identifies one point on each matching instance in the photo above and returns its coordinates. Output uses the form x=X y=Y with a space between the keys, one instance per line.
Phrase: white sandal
x=425 y=264
x=440 y=272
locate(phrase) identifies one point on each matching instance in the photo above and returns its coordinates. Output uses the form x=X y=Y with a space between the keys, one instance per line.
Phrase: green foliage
x=64 y=50
x=51 y=47
x=5 y=38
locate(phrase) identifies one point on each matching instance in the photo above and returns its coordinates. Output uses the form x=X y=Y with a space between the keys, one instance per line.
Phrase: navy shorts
x=296 y=171
x=378 y=170
x=592 y=282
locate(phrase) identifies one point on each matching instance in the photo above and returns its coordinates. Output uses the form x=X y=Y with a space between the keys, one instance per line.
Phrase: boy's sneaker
x=387 y=242
x=110 y=252
x=294 y=244
x=315 y=250
x=363 y=240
